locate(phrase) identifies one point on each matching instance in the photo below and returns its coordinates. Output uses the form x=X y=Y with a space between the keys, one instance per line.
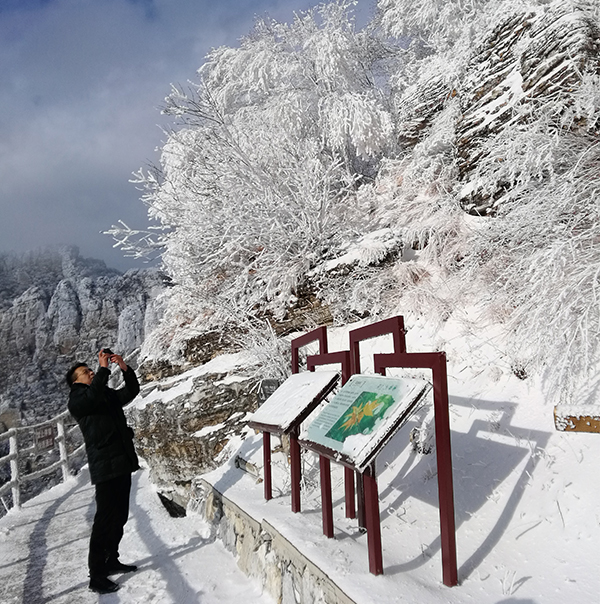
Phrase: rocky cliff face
x=528 y=64
x=57 y=308
x=183 y=425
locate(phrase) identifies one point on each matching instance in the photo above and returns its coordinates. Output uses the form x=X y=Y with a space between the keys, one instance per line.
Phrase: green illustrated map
x=361 y=416
x=363 y=413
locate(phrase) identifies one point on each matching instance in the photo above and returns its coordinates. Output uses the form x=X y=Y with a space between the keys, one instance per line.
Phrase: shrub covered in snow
x=446 y=154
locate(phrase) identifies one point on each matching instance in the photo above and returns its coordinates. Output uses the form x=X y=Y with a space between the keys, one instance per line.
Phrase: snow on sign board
x=364 y=414
x=294 y=400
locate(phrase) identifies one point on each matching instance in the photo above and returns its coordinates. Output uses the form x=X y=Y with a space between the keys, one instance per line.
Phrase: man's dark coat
x=99 y=411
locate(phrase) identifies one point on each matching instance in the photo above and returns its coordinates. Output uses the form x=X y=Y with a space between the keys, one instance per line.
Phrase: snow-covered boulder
x=183 y=423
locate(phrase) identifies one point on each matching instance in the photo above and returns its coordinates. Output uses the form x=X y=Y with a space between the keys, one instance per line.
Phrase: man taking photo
x=98 y=410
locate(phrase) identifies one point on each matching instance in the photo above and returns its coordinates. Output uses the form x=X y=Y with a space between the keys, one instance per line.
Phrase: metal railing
x=18 y=453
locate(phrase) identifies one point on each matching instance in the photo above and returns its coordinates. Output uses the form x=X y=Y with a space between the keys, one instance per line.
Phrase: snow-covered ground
x=526 y=497
x=43 y=553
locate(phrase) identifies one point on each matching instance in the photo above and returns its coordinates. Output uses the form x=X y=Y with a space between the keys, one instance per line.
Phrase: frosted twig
x=561 y=514
x=507 y=588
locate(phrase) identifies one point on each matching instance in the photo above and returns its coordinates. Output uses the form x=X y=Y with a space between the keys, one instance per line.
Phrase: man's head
x=80 y=373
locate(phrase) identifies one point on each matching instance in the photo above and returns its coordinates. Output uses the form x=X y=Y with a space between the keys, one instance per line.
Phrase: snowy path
x=43 y=553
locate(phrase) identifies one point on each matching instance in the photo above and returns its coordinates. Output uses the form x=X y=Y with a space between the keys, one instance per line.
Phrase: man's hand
x=104 y=358
x=117 y=358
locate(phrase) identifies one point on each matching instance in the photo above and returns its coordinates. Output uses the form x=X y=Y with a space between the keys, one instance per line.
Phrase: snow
x=580 y=410
x=528 y=521
x=493 y=107
x=290 y=400
x=43 y=553
x=526 y=507
x=370 y=249
x=178 y=385
x=203 y=432
x=527 y=517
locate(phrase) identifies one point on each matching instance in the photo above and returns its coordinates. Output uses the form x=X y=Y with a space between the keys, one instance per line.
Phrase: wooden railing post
x=14 y=469
x=62 y=448
x=12 y=435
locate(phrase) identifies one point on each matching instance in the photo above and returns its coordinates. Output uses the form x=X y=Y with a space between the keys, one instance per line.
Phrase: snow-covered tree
x=509 y=131
x=259 y=179
x=444 y=155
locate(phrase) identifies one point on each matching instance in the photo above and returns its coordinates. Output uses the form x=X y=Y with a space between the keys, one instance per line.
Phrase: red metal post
x=267 y=465
x=343 y=358
x=326 y=499
x=295 y=470
x=349 y=492
x=444 y=465
x=436 y=361
x=330 y=358
x=373 y=522
x=394 y=326
x=360 y=489
x=319 y=334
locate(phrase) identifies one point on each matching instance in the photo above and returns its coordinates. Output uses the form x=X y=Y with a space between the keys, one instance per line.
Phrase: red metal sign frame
x=368 y=499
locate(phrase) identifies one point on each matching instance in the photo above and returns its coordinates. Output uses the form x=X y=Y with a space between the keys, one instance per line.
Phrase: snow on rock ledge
x=182 y=425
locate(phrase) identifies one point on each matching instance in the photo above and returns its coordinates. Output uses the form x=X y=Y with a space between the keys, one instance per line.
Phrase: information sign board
x=293 y=401
x=363 y=415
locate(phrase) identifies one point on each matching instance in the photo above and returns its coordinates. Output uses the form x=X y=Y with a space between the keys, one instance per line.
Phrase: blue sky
x=81 y=84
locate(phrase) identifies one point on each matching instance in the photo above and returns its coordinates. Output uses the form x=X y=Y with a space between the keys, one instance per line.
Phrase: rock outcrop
x=529 y=63
x=57 y=307
x=183 y=424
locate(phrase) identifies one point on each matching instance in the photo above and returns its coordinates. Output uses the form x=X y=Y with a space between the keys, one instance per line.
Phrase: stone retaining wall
x=263 y=553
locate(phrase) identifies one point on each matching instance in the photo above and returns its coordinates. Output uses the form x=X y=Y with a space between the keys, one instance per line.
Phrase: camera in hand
x=107 y=351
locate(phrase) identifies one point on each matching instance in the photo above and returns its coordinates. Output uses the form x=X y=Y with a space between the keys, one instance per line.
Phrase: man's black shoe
x=103 y=585
x=112 y=568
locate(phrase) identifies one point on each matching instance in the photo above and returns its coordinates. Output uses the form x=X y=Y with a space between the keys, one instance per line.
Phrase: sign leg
x=360 y=487
x=295 y=470
x=267 y=465
x=373 y=524
x=326 y=499
x=350 y=497
x=444 y=464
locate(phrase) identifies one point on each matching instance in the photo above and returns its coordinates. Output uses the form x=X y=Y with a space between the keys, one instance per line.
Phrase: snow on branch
x=259 y=178
x=451 y=146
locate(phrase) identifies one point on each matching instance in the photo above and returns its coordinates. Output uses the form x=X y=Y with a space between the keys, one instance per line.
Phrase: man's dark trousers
x=112 y=510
